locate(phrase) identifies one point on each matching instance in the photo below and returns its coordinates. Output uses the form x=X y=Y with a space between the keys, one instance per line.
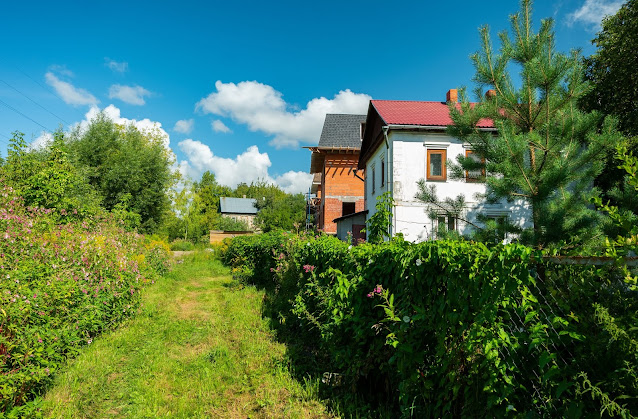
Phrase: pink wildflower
x=377 y=290
x=308 y=268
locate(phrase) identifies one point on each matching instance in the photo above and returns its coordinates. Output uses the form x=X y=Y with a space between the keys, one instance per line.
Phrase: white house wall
x=406 y=165
x=375 y=161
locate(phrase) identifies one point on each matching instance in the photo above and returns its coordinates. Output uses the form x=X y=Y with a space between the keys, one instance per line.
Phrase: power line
x=45 y=88
x=18 y=112
x=35 y=102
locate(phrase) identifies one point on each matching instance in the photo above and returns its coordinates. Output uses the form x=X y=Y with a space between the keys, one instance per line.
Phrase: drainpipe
x=385 y=129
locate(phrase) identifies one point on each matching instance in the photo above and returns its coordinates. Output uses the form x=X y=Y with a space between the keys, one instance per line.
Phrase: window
x=347 y=208
x=382 y=171
x=363 y=129
x=436 y=169
x=445 y=223
x=477 y=175
x=501 y=226
x=372 y=180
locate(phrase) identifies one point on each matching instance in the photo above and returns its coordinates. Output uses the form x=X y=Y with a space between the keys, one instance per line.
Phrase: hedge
x=451 y=327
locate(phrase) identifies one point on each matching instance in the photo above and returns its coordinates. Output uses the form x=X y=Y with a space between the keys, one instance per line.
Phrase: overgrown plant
x=62 y=285
x=626 y=243
x=379 y=224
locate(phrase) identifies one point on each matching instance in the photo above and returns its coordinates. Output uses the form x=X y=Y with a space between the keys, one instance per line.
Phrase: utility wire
x=35 y=102
x=18 y=112
x=45 y=88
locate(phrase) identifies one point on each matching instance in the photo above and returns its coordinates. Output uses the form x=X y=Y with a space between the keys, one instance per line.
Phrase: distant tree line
x=105 y=166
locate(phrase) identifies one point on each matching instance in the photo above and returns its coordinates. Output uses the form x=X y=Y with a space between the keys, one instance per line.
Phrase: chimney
x=451 y=96
x=490 y=94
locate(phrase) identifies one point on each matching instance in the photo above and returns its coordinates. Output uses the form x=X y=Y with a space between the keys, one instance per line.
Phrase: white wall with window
x=413 y=155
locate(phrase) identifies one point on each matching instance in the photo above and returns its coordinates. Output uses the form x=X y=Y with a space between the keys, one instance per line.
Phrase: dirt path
x=198 y=348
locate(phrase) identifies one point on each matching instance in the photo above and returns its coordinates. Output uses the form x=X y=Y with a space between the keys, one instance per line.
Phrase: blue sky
x=249 y=81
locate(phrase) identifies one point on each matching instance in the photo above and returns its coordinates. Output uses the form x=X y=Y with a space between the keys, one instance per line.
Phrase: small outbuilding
x=239 y=209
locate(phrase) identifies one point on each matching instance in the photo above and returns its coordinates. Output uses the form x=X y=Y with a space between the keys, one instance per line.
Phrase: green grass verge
x=198 y=348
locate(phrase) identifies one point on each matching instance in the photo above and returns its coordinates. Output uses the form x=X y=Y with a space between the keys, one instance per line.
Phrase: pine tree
x=546 y=152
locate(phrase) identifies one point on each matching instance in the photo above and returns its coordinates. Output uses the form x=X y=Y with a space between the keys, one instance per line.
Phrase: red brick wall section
x=338 y=182
x=332 y=210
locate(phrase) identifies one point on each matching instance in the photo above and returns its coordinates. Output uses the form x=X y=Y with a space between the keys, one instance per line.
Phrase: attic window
x=363 y=130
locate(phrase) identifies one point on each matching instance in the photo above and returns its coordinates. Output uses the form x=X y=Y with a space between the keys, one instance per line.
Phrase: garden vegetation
x=449 y=328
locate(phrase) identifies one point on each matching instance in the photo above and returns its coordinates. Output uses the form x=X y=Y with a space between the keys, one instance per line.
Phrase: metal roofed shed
x=229 y=205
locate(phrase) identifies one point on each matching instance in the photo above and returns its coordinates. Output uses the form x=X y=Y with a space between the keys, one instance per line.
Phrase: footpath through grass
x=198 y=348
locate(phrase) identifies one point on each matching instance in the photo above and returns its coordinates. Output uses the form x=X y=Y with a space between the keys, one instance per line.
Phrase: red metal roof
x=403 y=112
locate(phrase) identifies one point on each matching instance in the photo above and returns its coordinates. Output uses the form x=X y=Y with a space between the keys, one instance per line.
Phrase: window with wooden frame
x=436 y=169
x=477 y=175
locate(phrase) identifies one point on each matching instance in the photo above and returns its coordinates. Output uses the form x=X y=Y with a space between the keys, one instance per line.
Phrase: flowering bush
x=451 y=328
x=62 y=285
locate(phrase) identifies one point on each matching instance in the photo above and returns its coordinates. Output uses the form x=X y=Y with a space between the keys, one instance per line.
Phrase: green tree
x=612 y=73
x=286 y=212
x=277 y=209
x=123 y=163
x=546 y=152
x=612 y=69
x=46 y=178
x=208 y=192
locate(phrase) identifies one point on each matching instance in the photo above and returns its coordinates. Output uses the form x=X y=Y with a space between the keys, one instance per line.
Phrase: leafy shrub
x=62 y=285
x=182 y=245
x=451 y=328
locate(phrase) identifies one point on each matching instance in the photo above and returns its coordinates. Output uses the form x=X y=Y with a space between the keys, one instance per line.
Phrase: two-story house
x=337 y=185
x=406 y=141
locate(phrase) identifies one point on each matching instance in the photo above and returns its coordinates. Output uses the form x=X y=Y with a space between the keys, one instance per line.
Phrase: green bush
x=62 y=285
x=182 y=245
x=449 y=327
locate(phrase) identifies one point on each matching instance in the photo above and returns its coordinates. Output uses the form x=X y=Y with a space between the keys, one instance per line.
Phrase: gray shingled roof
x=341 y=130
x=237 y=205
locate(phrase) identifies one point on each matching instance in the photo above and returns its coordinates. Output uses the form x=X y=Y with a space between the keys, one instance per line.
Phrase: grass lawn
x=198 y=348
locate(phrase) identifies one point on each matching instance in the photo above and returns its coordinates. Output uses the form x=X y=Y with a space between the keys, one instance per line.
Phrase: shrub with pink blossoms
x=61 y=285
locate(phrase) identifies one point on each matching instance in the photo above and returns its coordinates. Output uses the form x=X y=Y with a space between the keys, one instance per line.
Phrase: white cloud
x=219 y=126
x=294 y=182
x=262 y=108
x=249 y=166
x=133 y=95
x=42 y=141
x=115 y=66
x=69 y=93
x=593 y=11
x=61 y=69
x=185 y=126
